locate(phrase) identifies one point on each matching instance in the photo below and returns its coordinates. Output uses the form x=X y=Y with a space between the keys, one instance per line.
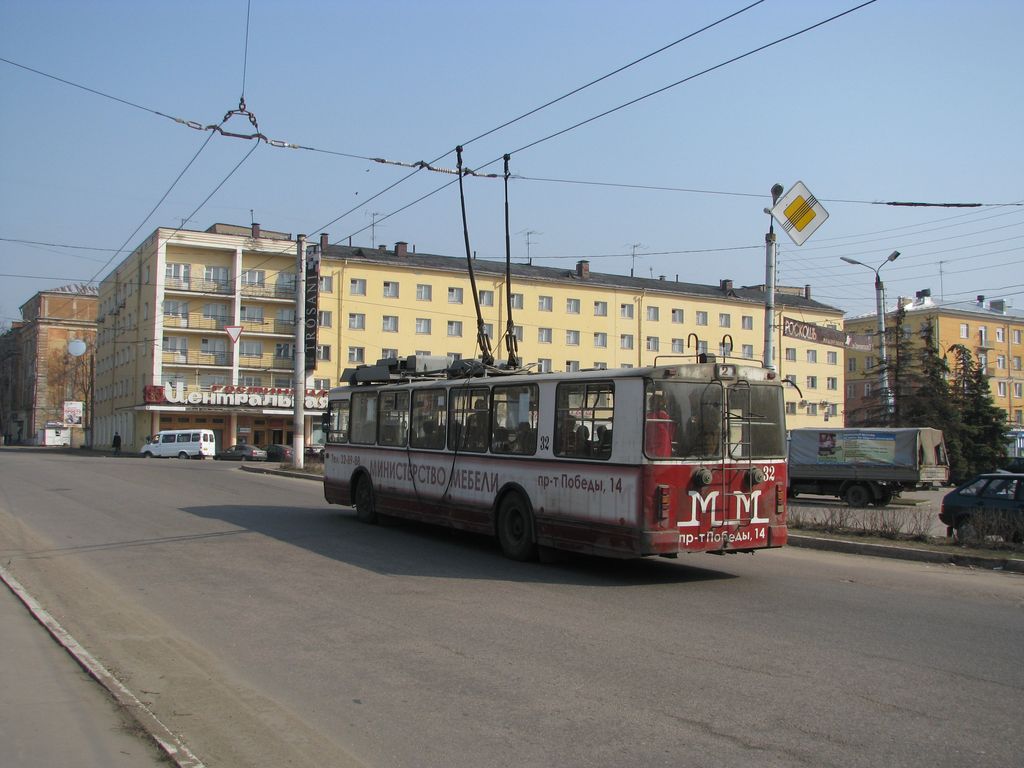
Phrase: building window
x=544 y=365
x=600 y=339
x=812 y=409
x=486 y=298
x=832 y=358
x=517 y=301
x=653 y=314
x=747 y=322
x=218 y=276
x=678 y=346
x=851 y=365
x=832 y=383
x=390 y=289
x=724 y=320
x=812 y=382
x=357 y=286
x=422 y=325
x=326 y=286
x=390 y=324
x=518 y=332
x=1016 y=336
x=544 y=335
x=812 y=355
x=626 y=311
x=791 y=354
x=250 y=349
x=790 y=409
x=356 y=354
x=965 y=331
x=321 y=383
x=867 y=389
x=572 y=306
x=489 y=330
x=748 y=351
x=869 y=363
x=454 y=295
x=1001 y=362
x=1018 y=389
x=454 y=327
x=572 y=365
x=626 y=341
x=424 y=292
x=1001 y=388
x=356 y=321
x=323 y=351
x=1016 y=362
x=600 y=309
x=572 y=338
x=702 y=318
x=323 y=319
x=851 y=391
x=257 y=277
x=1000 y=334
x=284 y=350
x=388 y=352
x=601 y=366
x=677 y=315
x=545 y=304
x=652 y=344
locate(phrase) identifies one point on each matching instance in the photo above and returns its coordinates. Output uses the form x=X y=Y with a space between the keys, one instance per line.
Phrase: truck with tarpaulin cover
x=865 y=466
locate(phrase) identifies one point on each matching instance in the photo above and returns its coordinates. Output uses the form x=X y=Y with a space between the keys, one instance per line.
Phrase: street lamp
x=883 y=376
x=77 y=348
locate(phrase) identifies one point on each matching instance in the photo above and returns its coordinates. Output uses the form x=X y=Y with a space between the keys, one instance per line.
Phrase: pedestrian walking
x=117 y=443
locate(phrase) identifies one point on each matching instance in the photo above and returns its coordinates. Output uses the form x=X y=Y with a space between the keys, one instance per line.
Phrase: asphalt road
x=265 y=627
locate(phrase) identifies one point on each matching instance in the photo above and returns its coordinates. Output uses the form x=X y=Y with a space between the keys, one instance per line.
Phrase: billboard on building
x=73 y=410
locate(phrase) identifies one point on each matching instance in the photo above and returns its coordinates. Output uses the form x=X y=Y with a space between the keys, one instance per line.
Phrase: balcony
x=191 y=357
x=266 y=325
x=266 y=362
x=259 y=291
x=197 y=322
x=197 y=285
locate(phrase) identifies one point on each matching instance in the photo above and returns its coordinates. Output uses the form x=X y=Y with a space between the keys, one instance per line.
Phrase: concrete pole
x=299 y=383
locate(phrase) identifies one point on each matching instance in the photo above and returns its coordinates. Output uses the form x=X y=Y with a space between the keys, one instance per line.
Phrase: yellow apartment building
x=989 y=328
x=166 y=361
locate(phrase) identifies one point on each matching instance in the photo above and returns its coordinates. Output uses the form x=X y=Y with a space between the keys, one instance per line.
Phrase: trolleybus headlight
x=702 y=477
x=756 y=476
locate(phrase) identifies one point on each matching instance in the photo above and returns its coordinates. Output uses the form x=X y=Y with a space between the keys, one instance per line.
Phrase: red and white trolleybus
x=680 y=457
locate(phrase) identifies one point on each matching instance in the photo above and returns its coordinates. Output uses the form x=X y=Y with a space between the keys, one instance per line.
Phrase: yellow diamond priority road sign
x=799 y=213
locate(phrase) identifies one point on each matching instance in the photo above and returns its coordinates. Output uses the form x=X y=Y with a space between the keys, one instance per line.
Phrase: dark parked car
x=315 y=451
x=1016 y=464
x=990 y=505
x=242 y=453
x=279 y=452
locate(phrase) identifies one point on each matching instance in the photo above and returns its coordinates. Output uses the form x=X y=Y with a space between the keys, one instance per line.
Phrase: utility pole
x=299 y=383
x=769 y=283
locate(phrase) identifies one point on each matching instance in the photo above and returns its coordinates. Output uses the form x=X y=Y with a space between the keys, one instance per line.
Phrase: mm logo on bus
x=746 y=508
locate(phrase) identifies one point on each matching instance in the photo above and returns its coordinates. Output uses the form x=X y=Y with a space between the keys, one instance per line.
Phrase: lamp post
x=77 y=348
x=883 y=375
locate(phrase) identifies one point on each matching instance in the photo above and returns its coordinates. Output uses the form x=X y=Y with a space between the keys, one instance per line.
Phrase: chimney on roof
x=401 y=249
x=661 y=277
x=255 y=231
x=807 y=290
x=725 y=285
x=997 y=305
x=382 y=248
x=981 y=299
x=323 y=243
x=924 y=294
x=583 y=269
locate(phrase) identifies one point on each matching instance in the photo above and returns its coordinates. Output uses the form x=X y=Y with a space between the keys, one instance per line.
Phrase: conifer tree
x=984 y=424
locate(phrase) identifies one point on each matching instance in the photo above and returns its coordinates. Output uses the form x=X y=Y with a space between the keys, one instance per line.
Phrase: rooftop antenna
x=373 y=228
x=528 y=233
x=632 y=265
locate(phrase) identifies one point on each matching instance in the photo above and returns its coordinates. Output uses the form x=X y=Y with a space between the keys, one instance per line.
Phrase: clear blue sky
x=900 y=100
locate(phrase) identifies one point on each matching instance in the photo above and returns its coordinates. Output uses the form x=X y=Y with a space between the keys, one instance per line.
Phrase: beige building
x=166 y=361
x=39 y=373
x=992 y=331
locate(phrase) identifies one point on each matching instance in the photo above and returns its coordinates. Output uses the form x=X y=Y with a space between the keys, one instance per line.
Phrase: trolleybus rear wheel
x=365 y=510
x=515 y=528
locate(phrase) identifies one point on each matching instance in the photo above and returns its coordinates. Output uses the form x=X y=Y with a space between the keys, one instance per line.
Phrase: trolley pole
x=299 y=383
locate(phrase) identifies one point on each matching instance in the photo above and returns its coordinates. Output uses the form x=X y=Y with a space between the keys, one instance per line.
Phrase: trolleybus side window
x=469 y=422
x=429 y=416
x=515 y=419
x=393 y=420
x=584 y=414
x=337 y=422
x=364 y=418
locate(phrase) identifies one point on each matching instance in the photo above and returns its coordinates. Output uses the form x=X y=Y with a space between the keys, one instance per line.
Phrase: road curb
x=250 y=467
x=166 y=740
x=906 y=553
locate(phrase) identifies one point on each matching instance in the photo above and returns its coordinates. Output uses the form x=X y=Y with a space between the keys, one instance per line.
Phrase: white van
x=182 y=443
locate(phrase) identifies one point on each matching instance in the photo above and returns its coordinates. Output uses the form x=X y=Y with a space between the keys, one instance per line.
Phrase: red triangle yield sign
x=234 y=331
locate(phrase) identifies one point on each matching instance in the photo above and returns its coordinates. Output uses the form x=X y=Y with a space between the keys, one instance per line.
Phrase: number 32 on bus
x=620 y=463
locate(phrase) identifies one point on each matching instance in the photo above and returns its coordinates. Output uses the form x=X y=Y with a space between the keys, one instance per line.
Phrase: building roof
x=784 y=298
x=980 y=307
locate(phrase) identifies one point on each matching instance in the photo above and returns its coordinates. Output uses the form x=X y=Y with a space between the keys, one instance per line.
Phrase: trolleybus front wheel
x=365 y=510
x=515 y=528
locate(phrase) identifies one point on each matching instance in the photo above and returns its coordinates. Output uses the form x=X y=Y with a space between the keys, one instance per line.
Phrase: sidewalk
x=60 y=706
x=51 y=711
